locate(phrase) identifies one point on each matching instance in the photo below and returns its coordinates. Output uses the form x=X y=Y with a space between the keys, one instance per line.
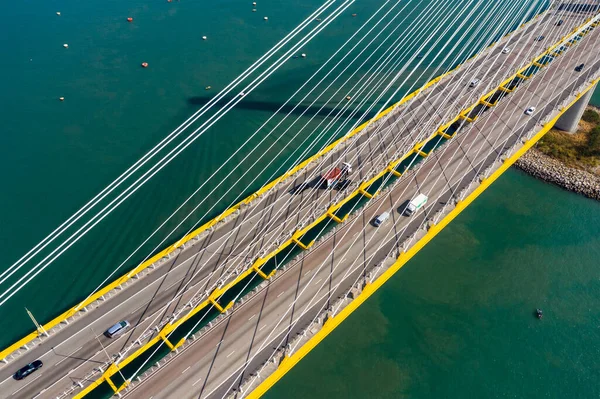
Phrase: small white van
x=415 y=204
x=117 y=329
x=379 y=220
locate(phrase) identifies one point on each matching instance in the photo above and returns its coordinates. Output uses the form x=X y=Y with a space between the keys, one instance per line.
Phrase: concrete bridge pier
x=570 y=119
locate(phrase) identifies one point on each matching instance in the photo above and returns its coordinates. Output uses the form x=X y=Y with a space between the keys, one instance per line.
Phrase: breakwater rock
x=543 y=167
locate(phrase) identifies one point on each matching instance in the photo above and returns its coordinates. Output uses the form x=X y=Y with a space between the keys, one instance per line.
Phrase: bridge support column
x=570 y=119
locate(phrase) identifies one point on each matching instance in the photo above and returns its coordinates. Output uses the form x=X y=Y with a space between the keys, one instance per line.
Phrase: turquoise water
x=58 y=155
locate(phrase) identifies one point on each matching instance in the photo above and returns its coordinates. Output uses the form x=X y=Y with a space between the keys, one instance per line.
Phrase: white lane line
x=280 y=294
x=68 y=356
x=186 y=369
x=317 y=282
x=197 y=381
x=251 y=317
x=6 y=380
x=26 y=385
x=260 y=329
x=219 y=343
x=232 y=352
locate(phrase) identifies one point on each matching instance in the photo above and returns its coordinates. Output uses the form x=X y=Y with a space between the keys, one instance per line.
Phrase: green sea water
x=460 y=305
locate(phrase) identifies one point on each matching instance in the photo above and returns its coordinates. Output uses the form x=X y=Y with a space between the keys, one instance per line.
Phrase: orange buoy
x=129 y=19
x=144 y=65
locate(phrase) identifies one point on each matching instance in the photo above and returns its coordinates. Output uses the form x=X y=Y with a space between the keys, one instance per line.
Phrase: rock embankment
x=549 y=169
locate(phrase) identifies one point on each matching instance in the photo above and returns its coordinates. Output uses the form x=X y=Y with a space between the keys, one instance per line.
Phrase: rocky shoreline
x=543 y=167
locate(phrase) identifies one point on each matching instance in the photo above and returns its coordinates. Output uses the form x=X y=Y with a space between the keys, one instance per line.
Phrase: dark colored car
x=28 y=369
x=559 y=23
x=540 y=38
x=579 y=67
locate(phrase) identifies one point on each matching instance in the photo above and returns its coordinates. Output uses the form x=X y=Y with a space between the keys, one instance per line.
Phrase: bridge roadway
x=199 y=370
x=72 y=352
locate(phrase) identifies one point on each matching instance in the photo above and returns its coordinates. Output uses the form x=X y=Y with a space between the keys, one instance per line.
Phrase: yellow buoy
x=204 y=37
x=58 y=13
x=303 y=55
x=65 y=45
x=266 y=18
x=61 y=98
x=254 y=3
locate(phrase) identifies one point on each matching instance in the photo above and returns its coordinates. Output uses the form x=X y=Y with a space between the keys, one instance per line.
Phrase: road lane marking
x=260 y=329
x=232 y=352
x=197 y=381
x=6 y=380
x=251 y=317
x=68 y=356
x=219 y=343
x=317 y=282
x=280 y=294
x=26 y=385
x=186 y=369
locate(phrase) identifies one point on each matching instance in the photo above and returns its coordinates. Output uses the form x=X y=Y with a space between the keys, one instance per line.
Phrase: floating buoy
x=348 y=98
x=144 y=65
x=204 y=37
x=168 y=1
x=65 y=45
x=58 y=13
x=254 y=10
x=129 y=19
x=354 y=15
x=61 y=98
x=254 y=3
x=303 y=55
x=266 y=18
x=318 y=19
x=207 y=88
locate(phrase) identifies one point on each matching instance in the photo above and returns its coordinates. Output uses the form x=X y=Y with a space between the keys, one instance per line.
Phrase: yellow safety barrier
x=212 y=300
x=121 y=280
x=290 y=361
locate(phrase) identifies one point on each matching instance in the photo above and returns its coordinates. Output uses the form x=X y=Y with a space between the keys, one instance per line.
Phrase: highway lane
x=224 y=348
x=151 y=289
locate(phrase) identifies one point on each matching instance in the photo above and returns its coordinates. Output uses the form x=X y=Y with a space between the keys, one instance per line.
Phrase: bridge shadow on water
x=293 y=109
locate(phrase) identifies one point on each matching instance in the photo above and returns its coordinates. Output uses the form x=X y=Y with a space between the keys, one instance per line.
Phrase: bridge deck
x=240 y=240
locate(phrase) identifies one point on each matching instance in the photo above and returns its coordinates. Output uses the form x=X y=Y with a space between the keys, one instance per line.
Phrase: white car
x=506 y=50
x=530 y=111
x=474 y=83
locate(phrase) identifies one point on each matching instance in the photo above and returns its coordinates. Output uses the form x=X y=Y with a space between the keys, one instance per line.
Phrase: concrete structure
x=244 y=336
x=570 y=119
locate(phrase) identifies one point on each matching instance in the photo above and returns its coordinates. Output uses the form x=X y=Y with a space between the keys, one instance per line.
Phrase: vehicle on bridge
x=560 y=22
x=117 y=329
x=28 y=369
x=540 y=38
x=530 y=111
x=506 y=50
x=415 y=204
x=474 y=83
x=579 y=67
x=337 y=175
x=379 y=220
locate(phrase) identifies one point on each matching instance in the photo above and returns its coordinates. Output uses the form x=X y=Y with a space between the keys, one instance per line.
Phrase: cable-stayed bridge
x=232 y=306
